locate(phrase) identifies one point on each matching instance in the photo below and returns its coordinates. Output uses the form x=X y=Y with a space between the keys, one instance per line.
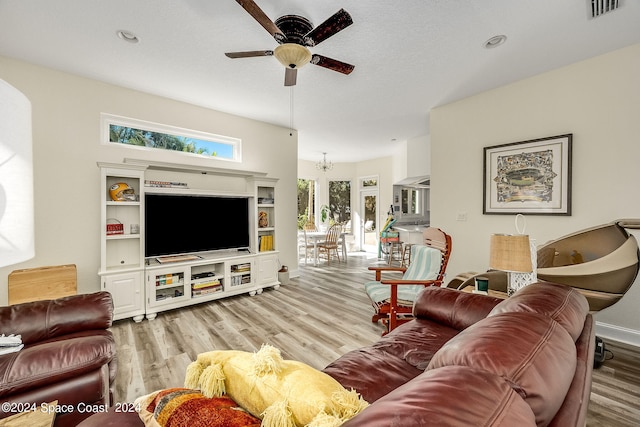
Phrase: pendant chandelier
x=323 y=165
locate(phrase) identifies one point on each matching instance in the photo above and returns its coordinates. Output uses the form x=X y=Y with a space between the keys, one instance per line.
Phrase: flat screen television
x=179 y=224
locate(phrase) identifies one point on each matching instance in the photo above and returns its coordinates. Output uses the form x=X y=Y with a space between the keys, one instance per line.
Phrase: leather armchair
x=69 y=355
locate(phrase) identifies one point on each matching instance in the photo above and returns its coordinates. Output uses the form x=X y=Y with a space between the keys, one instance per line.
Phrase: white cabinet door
x=268 y=270
x=127 y=293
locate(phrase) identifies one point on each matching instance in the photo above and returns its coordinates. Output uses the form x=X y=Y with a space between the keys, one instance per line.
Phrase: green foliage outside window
x=150 y=139
x=340 y=201
x=306 y=202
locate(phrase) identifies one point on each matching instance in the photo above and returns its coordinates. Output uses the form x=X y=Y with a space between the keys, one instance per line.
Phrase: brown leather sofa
x=470 y=360
x=69 y=355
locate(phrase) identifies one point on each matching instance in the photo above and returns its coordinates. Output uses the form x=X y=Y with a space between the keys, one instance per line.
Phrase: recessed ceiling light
x=495 y=41
x=128 y=36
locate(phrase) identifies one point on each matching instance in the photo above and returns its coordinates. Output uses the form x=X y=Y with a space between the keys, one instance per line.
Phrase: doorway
x=369 y=224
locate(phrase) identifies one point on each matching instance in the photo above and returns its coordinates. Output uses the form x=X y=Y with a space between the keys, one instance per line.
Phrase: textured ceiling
x=409 y=56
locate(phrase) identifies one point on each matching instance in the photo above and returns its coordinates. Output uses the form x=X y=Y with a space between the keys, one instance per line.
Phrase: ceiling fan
x=295 y=34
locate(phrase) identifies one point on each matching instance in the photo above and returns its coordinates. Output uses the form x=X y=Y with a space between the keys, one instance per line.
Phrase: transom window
x=149 y=135
x=369 y=183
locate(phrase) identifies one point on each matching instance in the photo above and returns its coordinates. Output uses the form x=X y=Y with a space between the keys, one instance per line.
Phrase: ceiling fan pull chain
x=291 y=111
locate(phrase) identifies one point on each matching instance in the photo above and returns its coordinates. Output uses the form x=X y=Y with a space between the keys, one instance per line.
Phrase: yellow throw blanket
x=283 y=393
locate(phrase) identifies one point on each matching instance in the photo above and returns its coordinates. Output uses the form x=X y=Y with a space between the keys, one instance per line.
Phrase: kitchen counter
x=410 y=233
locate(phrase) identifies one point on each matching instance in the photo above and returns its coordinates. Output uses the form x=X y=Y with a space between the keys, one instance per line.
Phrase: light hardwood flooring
x=314 y=319
x=615 y=391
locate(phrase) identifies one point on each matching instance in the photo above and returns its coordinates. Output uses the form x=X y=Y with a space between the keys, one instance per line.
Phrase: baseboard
x=616 y=333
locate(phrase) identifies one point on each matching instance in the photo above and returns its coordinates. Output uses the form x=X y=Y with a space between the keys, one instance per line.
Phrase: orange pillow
x=182 y=407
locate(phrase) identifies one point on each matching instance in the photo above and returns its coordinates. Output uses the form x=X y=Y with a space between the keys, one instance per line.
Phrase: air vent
x=600 y=7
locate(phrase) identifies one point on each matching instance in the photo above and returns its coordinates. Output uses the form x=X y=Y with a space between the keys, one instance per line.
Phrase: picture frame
x=528 y=177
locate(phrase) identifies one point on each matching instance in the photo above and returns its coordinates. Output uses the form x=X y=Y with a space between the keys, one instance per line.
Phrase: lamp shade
x=510 y=253
x=16 y=177
x=292 y=55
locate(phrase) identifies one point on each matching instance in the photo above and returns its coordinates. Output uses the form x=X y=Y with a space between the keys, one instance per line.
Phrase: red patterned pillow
x=181 y=407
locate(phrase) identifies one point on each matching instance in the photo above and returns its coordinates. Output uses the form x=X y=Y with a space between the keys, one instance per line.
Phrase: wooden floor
x=315 y=318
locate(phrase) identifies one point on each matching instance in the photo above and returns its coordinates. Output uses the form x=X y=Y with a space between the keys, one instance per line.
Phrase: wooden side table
x=491 y=293
x=36 y=418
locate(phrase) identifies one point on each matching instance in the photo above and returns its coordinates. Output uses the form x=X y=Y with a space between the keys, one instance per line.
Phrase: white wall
x=66 y=147
x=598 y=101
x=412 y=158
x=418 y=156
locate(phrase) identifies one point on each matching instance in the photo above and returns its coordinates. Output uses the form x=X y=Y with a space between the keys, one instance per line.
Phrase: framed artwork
x=528 y=177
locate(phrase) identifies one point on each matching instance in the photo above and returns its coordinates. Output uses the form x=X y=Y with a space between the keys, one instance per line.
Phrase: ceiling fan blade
x=257 y=13
x=336 y=23
x=249 y=54
x=332 y=64
x=290 y=76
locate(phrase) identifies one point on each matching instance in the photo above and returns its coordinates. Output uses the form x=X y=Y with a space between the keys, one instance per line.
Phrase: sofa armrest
x=42 y=320
x=451 y=307
x=576 y=403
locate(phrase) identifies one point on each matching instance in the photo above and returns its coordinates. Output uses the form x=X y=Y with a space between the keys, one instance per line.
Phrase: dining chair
x=310 y=226
x=330 y=243
x=304 y=246
x=345 y=229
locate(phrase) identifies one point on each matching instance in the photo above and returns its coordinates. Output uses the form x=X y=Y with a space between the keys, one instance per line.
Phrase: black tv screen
x=179 y=224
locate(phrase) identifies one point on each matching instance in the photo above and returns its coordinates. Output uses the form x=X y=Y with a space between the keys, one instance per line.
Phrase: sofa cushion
x=451 y=307
x=562 y=303
x=416 y=342
x=449 y=396
x=42 y=320
x=55 y=360
x=399 y=356
x=532 y=352
x=114 y=417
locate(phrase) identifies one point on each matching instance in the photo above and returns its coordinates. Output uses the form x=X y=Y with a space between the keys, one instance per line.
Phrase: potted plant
x=303 y=219
x=324 y=213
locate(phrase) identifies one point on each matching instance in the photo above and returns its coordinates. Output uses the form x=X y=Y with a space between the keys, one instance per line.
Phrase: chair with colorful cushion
x=393 y=299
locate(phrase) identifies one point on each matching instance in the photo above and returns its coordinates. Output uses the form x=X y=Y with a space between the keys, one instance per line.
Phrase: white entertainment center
x=144 y=286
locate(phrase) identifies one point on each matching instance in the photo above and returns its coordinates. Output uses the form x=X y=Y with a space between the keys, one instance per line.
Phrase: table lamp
x=512 y=253
x=16 y=177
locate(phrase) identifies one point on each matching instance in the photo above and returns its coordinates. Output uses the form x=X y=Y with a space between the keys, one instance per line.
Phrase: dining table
x=319 y=237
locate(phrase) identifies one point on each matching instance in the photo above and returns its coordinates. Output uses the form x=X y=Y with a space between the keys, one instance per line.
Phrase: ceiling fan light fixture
x=292 y=55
